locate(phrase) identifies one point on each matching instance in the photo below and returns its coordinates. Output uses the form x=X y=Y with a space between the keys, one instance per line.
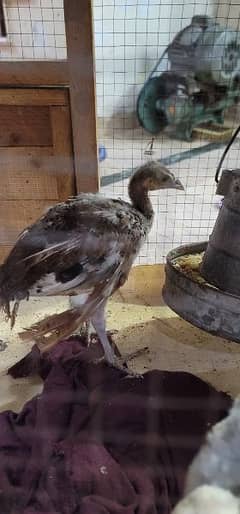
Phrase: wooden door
x=36 y=157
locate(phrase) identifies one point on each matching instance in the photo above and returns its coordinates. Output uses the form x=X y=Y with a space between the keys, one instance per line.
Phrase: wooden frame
x=79 y=34
x=32 y=96
x=76 y=73
x=33 y=73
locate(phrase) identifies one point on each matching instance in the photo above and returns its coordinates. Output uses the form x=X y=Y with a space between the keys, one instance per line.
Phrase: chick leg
x=99 y=323
x=85 y=329
x=89 y=333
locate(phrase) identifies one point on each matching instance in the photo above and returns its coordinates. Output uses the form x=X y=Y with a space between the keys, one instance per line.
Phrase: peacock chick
x=84 y=247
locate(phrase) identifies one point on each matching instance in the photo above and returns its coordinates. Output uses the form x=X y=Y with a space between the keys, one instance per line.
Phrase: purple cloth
x=95 y=442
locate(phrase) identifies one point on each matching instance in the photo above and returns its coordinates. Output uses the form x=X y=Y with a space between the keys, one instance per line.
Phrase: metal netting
x=130 y=37
x=35 y=30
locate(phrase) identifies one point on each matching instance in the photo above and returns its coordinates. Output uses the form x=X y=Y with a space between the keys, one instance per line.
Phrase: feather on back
x=81 y=242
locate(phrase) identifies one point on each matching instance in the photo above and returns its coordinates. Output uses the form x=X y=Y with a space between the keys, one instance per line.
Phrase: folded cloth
x=96 y=442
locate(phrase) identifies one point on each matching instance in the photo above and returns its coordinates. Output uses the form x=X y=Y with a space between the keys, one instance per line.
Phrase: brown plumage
x=85 y=248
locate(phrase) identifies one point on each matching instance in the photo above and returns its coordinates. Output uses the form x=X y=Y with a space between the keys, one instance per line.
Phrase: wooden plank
x=28 y=174
x=27 y=185
x=28 y=96
x=25 y=126
x=23 y=158
x=79 y=34
x=14 y=159
x=16 y=215
x=62 y=147
x=34 y=73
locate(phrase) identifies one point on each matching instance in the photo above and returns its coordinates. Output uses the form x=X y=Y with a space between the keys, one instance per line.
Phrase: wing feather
x=48 y=331
x=73 y=248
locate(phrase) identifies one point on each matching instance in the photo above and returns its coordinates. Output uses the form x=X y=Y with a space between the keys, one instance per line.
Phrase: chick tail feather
x=50 y=330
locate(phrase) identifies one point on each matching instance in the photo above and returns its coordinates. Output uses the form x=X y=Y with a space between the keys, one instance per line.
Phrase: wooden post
x=80 y=49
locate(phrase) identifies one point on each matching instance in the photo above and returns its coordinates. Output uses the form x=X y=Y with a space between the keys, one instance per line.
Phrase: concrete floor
x=180 y=217
x=142 y=319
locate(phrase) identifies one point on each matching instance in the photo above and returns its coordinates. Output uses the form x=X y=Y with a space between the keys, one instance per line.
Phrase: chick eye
x=164 y=179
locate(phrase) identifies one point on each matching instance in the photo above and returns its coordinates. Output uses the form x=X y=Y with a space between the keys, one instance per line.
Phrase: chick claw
x=120 y=363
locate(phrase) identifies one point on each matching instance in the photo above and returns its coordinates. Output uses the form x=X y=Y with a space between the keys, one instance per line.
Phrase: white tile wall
x=130 y=36
x=127 y=49
x=36 y=30
x=180 y=217
x=229 y=13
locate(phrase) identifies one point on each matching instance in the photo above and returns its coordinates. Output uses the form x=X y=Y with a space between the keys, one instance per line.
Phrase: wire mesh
x=35 y=30
x=130 y=37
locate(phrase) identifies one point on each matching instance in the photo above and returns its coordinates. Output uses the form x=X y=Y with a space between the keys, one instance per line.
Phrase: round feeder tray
x=197 y=301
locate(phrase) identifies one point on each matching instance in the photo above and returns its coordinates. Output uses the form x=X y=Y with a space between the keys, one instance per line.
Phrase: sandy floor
x=142 y=319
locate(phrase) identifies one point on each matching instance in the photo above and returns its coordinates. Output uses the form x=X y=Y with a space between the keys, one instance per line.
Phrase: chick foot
x=120 y=363
x=113 y=358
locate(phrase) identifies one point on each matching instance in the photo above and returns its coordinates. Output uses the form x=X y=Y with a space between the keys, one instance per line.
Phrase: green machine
x=194 y=82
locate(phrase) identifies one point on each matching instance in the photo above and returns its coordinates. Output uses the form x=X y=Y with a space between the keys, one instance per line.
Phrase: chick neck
x=138 y=193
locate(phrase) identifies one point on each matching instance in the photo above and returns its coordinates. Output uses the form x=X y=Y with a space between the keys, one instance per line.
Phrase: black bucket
x=221 y=262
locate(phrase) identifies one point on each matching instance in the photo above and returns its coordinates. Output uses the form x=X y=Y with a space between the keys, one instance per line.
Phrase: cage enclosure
x=86 y=438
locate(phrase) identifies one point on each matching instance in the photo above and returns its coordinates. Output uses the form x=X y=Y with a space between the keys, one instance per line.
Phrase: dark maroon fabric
x=95 y=442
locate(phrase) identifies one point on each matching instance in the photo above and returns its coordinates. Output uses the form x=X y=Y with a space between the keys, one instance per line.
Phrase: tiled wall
x=130 y=36
x=228 y=12
x=36 y=30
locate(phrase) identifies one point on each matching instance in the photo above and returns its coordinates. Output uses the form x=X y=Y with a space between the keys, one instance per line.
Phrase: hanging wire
x=225 y=153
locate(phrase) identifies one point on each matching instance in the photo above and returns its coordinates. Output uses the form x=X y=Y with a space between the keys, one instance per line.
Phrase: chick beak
x=178 y=184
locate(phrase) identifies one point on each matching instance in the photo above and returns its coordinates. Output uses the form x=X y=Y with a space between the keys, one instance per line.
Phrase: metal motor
x=195 y=80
